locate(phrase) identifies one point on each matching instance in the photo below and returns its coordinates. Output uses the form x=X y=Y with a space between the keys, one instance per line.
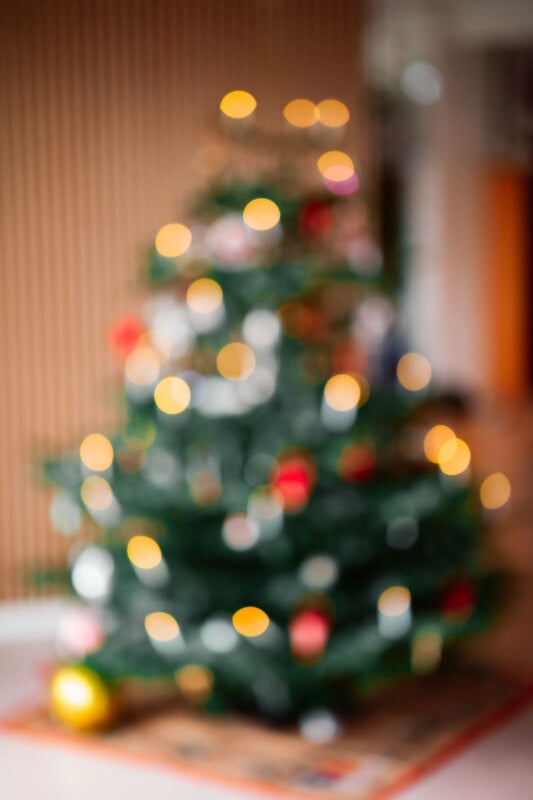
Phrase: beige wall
x=102 y=104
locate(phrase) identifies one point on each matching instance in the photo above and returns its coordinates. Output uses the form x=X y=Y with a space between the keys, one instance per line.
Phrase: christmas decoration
x=279 y=526
x=81 y=699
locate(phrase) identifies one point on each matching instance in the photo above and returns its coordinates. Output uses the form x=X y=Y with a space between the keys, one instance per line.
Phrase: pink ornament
x=79 y=632
x=309 y=632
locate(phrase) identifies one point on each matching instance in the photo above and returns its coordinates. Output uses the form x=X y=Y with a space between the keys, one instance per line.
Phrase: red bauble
x=309 y=632
x=357 y=463
x=316 y=218
x=124 y=335
x=294 y=477
x=459 y=600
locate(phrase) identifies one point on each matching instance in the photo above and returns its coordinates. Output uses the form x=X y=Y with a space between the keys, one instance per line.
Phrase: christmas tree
x=278 y=524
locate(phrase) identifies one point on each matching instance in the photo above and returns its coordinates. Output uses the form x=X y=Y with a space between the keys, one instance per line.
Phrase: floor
x=500 y=766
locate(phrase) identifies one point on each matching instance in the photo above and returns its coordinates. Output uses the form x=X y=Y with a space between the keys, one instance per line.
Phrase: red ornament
x=357 y=463
x=124 y=335
x=294 y=477
x=459 y=600
x=308 y=633
x=316 y=218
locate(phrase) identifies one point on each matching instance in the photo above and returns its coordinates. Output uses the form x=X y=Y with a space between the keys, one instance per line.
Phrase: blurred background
x=104 y=103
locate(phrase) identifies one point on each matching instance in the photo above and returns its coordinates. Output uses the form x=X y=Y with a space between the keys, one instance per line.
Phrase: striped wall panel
x=102 y=103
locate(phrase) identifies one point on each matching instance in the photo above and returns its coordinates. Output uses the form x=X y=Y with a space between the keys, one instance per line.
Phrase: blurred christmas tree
x=279 y=527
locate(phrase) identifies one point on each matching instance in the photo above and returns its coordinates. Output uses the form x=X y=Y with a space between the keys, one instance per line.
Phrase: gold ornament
x=80 y=699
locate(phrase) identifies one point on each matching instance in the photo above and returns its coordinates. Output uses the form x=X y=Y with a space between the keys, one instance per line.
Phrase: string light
x=204 y=296
x=172 y=395
x=301 y=113
x=236 y=361
x=239 y=532
x=238 y=104
x=434 y=439
x=454 y=457
x=161 y=627
x=144 y=552
x=96 y=452
x=495 y=491
x=342 y=392
x=250 y=621
x=96 y=493
x=142 y=366
x=195 y=682
x=332 y=113
x=261 y=214
x=336 y=165
x=394 y=612
x=173 y=240
x=413 y=371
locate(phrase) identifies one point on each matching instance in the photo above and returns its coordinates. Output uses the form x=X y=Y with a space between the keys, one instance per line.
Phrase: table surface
x=498 y=766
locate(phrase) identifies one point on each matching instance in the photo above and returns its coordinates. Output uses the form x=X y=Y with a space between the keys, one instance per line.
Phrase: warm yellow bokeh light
x=144 y=552
x=342 y=392
x=238 y=104
x=236 y=361
x=333 y=113
x=142 y=366
x=336 y=166
x=96 y=452
x=300 y=113
x=172 y=395
x=394 y=601
x=261 y=214
x=413 y=371
x=173 y=240
x=250 y=621
x=495 y=491
x=161 y=627
x=204 y=296
x=96 y=493
x=434 y=439
x=195 y=682
x=454 y=457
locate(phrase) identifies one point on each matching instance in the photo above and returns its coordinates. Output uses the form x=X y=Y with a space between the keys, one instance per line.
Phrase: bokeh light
x=65 y=513
x=173 y=240
x=80 y=698
x=319 y=726
x=422 y=83
x=238 y=104
x=96 y=452
x=250 y=621
x=434 y=439
x=265 y=506
x=342 y=392
x=204 y=296
x=261 y=214
x=426 y=651
x=96 y=493
x=394 y=601
x=142 y=366
x=336 y=166
x=495 y=491
x=332 y=113
x=454 y=457
x=161 y=627
x=301 y=113
x=413 y=371
x=92 y=573
x=319 y=572
x=236 y=361
x=239 y=532
x=261 y=329
x=172 y=395
x=195 y=682
x=144 y=552
x=218 y=635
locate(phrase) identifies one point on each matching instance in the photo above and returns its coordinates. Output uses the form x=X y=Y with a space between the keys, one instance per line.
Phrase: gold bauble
x=81 y=699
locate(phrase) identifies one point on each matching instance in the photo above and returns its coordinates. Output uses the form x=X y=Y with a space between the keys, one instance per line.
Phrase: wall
x=102 y=103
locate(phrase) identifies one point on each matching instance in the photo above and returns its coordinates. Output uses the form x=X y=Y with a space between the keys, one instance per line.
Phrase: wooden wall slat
x=102 y=104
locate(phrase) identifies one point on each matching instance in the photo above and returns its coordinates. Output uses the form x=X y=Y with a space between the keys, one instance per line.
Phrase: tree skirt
x=394 y=740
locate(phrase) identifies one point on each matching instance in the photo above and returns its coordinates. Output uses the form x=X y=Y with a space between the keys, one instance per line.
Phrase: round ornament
x=81 y=699
x=294 y=477
x=316 y=218
x=124 y=335
x=308 y=633
x=458 y=602
x=357 y=463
